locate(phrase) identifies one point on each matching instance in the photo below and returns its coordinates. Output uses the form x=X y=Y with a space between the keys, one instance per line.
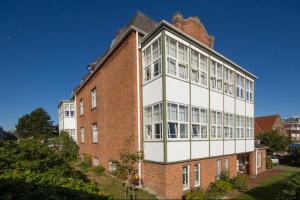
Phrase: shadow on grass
x=12 y=189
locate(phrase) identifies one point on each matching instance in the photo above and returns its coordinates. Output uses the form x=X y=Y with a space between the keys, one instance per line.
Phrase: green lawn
x=268 y=189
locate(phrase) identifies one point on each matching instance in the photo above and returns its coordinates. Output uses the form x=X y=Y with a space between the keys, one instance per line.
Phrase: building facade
x=188 y=108
x=67 y=118
x=292 y=127
x=268 y=123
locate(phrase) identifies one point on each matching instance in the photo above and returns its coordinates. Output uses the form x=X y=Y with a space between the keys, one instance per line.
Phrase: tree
x=276 y=141
x=6 y=135
x=37 y=124
x=126 y=167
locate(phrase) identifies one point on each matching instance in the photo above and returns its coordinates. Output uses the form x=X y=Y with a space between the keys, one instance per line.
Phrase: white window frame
x=201 y=123
x=218 y=125
x=249 y=90
x=198 y=68
x=186 y=177
x=218 y=169
x=228 y=126
x=226 y=165
x=153 y=122
x=197 y=171
x=240 y=127
x=95 y=133
x=81 y=109
x=259 y=160
x=215 y=68
x=94 y=98
x=82 y=138
x=240 y=86
x=177 y=122
x=249 y=127
x=177 y=72
x=228 y=81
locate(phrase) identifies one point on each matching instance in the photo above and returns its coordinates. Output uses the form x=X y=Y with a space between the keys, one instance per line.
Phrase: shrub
x=197 y=194
x=219 y=188
x=241 y=182
x=225 y=176
x=99 y=170
x=269 y=163
x=290 y=188
x=86 y=163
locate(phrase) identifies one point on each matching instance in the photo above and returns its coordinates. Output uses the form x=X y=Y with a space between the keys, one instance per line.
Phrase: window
x=249 y=127
x=249 y=90
x=199 y=123
x=199 y=68
x=94 y=98
x=82 y=135
x=218 y=169
x=216 y=76
x=152 y=60
x=228 y=81
x=153 y=122
x=259 y=160
x=67 y=110
x=177 y=121
x=226 y=165
x=81 y=107
x=95 y=133
x=228 y=125
x=71 y=133
x=203 y=70
x=177 y=61
x=185 y=177
x=197 y=174
x=216 y=124
x=240 y=126
x=240 y=86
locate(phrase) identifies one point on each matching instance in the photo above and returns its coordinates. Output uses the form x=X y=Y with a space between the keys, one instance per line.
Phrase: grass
x=268 y=189
x=109 y=185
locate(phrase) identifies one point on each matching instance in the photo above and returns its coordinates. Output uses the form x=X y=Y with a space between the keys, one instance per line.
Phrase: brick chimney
x=193 y=27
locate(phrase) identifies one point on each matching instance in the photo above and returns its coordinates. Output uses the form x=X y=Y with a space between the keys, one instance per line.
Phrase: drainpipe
x=76 y=136
x=138 y=105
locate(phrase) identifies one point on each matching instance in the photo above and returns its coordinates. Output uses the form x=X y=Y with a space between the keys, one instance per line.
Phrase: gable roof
x=265 y=123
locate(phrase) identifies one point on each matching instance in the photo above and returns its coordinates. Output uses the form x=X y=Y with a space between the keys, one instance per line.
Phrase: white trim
x=149 y=43
x=199 y=50
x=216 y=60
x=138 y=104
x=178 y=39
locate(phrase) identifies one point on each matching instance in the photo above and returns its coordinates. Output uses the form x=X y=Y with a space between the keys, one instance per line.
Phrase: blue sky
x=45 y=46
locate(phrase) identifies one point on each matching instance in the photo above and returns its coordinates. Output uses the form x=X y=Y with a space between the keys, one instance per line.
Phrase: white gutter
x=138 y=105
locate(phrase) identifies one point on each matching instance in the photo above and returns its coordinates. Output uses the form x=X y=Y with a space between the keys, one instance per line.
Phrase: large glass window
x=185 y=177
x=199 y=123
x=218 y=169
x=249 y=127
x=240 y=86
x=240 y=126
x=197 y=174
x=228 y=125
x=153 y=122
x=177 y=121
x=216 y=130
x=228 y=81
x=216 y=76
x=249 y=90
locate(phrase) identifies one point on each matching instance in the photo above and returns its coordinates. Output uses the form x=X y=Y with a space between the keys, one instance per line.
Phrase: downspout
x=76 y=136
x=138 y=105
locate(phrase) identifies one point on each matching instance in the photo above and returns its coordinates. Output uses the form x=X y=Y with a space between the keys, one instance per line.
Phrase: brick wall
x=253 y=164
x=116 y=112
x=166 y=180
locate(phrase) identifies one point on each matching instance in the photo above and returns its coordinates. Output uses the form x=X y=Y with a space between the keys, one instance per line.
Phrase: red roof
x=265 y=123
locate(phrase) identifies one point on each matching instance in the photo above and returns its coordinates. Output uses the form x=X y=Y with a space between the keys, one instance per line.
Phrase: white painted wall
x=229 y=147
x=216 y=148
x=249 y=145
x=199 y=96
x=152 y=92
x=249 y=109
x=216 y=101
x=154 y=151
x=177 y=151
x=177 y=90
x=240 y=146
x=228 y=104
x=240 y=107
x=200 y=149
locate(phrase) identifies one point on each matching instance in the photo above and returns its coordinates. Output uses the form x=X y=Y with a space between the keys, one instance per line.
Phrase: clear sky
x=45 y=46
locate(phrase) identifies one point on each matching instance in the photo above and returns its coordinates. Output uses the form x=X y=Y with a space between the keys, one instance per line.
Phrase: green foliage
x=99 y=170
x=66 y=147
x=6 y=135
x=30 y=169
x=276 y=141
x=85 y=163
x=269 y=163
x=37 y=124
x=197 y=194
x=291 y=188
x=219 y=188
x=225 y=176
x=241 y=182
x=293 y=158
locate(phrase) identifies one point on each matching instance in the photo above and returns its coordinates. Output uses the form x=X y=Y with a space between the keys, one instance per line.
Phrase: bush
x=269 y=163
x=99 y=170
x=225 y=176
x=197 y=194
x=219 y=188
x=241 y=182
x=290 y=188
x=86 y=163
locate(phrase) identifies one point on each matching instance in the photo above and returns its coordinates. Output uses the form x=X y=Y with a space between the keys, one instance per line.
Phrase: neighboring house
x=292 y=127
x=189 y=108
x=267 y=123
x=67 y=117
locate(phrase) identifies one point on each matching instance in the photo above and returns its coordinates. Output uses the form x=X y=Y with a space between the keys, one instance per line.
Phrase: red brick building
x=264 y=124
x=189 y=108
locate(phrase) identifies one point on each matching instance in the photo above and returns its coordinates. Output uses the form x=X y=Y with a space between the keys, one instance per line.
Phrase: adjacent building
x=189 y=108
x=292 y=127
x=268 y=123
x=67 y=117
